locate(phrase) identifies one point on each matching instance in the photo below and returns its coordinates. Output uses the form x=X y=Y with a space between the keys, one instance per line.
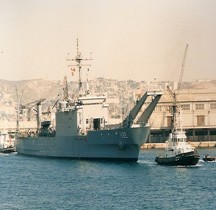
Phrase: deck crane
x=29 y=107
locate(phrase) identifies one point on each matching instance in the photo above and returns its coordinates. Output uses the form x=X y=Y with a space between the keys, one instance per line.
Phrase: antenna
x=78 y=59
x=77 y=46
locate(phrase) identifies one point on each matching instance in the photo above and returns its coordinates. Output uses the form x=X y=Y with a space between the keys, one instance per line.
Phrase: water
x=40 y=183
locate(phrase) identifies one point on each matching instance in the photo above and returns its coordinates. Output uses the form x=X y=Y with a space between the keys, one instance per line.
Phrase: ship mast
x=18 y=111
x=78 y=59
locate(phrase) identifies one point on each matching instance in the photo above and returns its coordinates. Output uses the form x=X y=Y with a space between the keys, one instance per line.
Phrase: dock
x=203 y=144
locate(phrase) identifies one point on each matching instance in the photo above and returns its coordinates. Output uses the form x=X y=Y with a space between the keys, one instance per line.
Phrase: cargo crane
x=175 y=108
x=29 y=106
x=182 y=68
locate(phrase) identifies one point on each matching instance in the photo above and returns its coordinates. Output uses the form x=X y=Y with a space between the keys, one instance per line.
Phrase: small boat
x=209 y=158
x=7 y=142
x=178 y=151
x=7 y=150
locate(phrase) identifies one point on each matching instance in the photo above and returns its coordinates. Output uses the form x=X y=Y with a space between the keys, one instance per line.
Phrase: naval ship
x=82 y=130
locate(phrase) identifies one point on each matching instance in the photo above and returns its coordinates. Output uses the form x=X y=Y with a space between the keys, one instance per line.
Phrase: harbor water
x=43 y=183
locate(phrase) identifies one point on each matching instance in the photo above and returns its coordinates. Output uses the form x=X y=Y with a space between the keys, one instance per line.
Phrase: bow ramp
x=129 y=120
x=143 y=119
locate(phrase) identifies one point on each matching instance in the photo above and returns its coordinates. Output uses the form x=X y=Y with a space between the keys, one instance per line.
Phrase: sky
x=142 y=40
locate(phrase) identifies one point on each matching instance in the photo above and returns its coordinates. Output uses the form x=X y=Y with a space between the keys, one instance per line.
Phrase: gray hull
x=117 y=144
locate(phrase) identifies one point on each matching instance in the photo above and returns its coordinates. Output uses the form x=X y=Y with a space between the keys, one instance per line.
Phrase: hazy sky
x=129 y=39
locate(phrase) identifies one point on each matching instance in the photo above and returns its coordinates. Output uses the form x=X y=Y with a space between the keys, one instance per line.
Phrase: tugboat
x=7 y=142
x=82 y=129
x=177 y=151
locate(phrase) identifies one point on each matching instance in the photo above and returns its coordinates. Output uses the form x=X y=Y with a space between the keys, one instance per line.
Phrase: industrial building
x=198 y=114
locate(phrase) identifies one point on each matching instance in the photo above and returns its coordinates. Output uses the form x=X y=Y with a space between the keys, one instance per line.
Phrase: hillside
x=120 y=94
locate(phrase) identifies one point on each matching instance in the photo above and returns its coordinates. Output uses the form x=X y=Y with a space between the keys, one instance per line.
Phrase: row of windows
x=200 y=120
x=199 y=106
x=185 y=106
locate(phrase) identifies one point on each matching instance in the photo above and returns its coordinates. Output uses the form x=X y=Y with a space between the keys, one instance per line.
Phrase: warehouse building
x=198 y=114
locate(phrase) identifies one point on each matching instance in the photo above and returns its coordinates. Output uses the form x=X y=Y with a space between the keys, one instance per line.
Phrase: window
x=200 y=120
x=169 y=121
x=158 y=108
x=101 y=120
x=169 y=108
x=199 y=106
x=87 y=121
x=213 y=106
x=185 y=106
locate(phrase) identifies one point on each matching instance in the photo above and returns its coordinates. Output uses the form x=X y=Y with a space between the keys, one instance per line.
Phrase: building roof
x=190 y=95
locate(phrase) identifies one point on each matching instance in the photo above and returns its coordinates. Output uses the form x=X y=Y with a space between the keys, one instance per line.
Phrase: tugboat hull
x=184 y=159
x=7 y=150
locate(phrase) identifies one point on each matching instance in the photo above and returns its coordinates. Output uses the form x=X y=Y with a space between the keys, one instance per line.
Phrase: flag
x=73 y=71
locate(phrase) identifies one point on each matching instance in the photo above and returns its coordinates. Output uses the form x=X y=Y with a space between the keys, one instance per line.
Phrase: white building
x=198 y=111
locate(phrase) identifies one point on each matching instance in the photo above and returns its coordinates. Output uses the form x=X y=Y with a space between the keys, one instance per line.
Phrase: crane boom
x=182 y=68
x=30 y=105
x=33 y=103
x=175 y=105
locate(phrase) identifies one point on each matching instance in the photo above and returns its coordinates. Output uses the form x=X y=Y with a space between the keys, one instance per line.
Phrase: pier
x=205 y=144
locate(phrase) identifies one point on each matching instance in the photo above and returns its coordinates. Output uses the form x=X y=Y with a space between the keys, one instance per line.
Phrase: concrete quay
x=205 y=144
